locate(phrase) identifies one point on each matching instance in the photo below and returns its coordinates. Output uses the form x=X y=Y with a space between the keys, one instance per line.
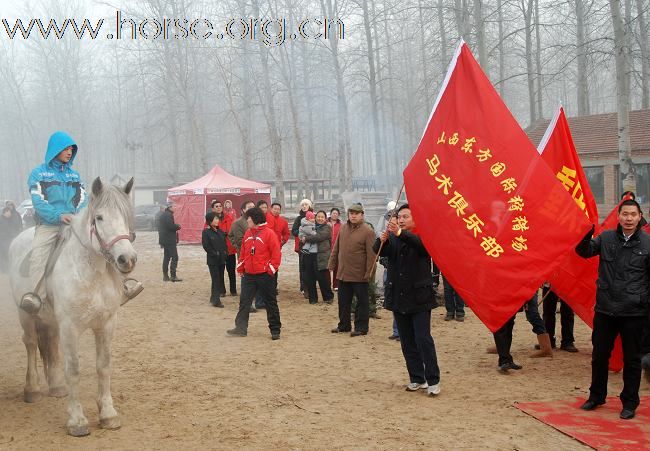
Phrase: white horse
x=84 y=290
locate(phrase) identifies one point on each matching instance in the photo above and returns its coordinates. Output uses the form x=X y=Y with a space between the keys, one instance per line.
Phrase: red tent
x=193 y=199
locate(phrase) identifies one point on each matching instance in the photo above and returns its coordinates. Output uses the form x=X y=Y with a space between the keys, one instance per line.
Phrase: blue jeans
x=532 y=315
x=453 y=303
x=395 y=329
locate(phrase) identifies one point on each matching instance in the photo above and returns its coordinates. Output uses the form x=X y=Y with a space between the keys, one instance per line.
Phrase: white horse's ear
x=129 y=185
x=98 y=186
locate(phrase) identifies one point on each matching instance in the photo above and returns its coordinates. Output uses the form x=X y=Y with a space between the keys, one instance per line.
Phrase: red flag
x=574 y=280
x=489 y=211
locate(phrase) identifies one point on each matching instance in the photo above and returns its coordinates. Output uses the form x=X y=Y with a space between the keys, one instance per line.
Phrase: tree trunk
x=581 y=56
x=479 y=24
x=527 y=9
x=502 y=57
x=645 y=56
x=443 y=38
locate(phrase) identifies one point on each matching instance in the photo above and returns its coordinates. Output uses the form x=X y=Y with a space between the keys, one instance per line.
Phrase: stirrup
x=132 y=291
x=31 y=303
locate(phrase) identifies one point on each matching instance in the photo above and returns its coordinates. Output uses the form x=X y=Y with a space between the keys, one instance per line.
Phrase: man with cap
x=354 y=253
x=168 y=239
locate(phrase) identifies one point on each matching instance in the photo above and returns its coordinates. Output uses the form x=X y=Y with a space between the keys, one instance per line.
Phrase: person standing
x=168 y=239
x=225 y=223
x=567 y=320
x=453 y=302
x=334 y=221
x=623 y=290
x=259 y=260
x=353 y=251
x=239 y=227
x=411 y=299
x=214 y=244
x=305 y=206
x=317 y=259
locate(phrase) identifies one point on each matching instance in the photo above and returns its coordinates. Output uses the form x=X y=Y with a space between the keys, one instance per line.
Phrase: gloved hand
x=589 y=234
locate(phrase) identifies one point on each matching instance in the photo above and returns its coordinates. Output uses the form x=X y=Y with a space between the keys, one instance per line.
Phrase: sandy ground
x=180 y=382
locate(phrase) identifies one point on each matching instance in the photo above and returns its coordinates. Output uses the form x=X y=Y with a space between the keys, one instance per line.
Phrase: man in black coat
x=621 y=304
x=168 y=239
x=410 y=296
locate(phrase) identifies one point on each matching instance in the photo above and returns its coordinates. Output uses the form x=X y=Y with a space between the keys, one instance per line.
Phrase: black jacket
x=409 y=285
x=623 y=285
x=214 y=243
x=167 y=229
x=295 y=227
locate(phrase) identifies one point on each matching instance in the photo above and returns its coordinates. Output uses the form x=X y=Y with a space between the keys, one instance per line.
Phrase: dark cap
x=357 y=208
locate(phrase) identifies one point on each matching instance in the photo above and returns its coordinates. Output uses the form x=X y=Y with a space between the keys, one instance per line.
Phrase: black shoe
x=460 y=319
x=175 y=279
x=313 y=302
x=217 y=304
x=236 y=332
x=252 y=310
x=626 y=414
x=356 y=333
x=233 y=293
x=339 y=331
x=275 y=336
x=569 y=347
x=509 y=366
x=165 y=278
x=393 y=337
x=328 y=301
x=591 y=405
x=449 y=317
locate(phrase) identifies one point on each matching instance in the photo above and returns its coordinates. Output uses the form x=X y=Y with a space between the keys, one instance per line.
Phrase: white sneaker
x=433 y=390
x=415 y=386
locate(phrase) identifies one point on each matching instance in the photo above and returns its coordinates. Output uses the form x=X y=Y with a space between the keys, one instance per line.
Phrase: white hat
x=391 y=205
x=306 y=201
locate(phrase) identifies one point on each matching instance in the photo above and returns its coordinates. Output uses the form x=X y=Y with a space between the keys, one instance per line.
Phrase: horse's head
x=110 y=214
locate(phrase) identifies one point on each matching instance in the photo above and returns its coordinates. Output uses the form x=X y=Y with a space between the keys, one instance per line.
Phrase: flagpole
x=399 y=195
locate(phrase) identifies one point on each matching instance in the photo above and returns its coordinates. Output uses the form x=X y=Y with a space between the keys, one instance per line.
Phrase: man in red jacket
x=259 y=260
x=280 y=225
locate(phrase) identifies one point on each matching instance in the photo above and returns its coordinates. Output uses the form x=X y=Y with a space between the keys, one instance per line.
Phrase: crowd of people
x=340 y=255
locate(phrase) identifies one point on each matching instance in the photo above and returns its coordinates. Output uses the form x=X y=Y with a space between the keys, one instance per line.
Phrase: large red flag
x=574 y=280
x=489 y=210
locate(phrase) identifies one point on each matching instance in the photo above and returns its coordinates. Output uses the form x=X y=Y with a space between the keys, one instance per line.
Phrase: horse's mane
x=112 y=197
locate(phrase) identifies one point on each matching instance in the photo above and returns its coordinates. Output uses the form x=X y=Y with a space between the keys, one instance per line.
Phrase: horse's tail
x=44 y=345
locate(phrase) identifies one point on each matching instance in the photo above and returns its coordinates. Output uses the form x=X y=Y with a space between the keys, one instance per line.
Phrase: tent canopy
x=193 y=199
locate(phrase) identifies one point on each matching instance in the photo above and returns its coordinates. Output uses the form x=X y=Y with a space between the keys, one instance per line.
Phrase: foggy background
x=310 y=108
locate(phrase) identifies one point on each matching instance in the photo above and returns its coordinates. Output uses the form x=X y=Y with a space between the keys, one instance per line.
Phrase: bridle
x=104 y=247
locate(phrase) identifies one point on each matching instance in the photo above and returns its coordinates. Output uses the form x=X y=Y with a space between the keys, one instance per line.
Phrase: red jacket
x=266 y=257
x=280 y=226
x=336 y=226
x=225 y=225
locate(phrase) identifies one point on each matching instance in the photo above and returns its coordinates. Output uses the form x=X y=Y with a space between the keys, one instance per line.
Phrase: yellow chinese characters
x=474 y=224
x=491 y=247
x=453 y=140
x=497 y=168
x=433 y=163
x=445 y=183
x=509 y=184
x=459 y=203
x=441 y=139
x=520 y=223
x=519 y=244
x=516 y=204
x=567 y=177
x=467 y=147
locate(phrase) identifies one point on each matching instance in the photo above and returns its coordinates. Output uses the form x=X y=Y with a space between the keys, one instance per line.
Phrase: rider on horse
x=57 y=195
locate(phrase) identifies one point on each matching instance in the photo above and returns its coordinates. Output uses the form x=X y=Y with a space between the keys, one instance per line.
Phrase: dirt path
x=180 y=382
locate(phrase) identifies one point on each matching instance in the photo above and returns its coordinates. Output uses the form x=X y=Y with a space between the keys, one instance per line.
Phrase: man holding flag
x=622 y=296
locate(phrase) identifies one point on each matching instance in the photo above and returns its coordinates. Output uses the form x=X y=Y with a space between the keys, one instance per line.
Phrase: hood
x=59 y=141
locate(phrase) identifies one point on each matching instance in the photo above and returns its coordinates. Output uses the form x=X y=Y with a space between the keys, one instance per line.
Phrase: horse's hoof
x=32 y=396
x=58 y=392
x=110 y=423
x=78 y=431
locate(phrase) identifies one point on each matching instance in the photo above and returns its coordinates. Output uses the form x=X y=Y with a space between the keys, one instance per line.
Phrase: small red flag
x=489 y=211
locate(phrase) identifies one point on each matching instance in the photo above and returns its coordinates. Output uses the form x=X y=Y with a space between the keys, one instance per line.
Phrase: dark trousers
x=301 y=270
x=346 y=291
x=170 y=259
x=605 y=330
x=503 y=341
x=418 y=347
x=216 y=290
x=231 y=263
x=251 y=284
x=453 y=303
x=313 y=276
x=567 y=317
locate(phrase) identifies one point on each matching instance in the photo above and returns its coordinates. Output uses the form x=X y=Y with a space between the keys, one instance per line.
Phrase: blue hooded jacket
x=55 y=187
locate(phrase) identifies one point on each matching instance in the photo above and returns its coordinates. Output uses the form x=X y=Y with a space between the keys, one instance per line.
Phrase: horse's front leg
x=108 y=416
x=32 y=392
x=77 y=423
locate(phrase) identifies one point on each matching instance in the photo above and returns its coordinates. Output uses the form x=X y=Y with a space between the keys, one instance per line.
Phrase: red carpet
x=600 y=428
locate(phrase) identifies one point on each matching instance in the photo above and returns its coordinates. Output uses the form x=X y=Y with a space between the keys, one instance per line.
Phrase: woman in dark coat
x=316 y=264
x=214 y=243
